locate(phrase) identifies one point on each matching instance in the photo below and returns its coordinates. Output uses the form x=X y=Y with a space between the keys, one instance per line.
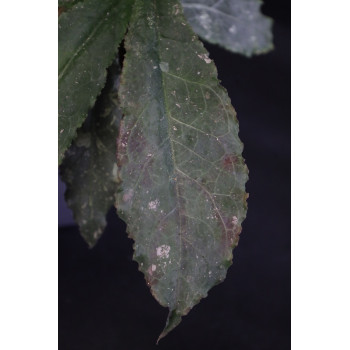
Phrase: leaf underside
x=89 y=168
x=88 y=38
x=237 y=25
x=179 y=156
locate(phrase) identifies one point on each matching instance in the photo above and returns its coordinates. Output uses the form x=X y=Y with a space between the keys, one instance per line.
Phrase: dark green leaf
x=183 y=177
x=236 y=25
x=89 y=168
x=88 y=39
x=67 y=4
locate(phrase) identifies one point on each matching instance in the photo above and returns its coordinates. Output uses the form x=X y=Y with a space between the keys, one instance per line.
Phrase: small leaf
x=88 y=39
x=237 y=25
x=183 y=176
x=89 y=168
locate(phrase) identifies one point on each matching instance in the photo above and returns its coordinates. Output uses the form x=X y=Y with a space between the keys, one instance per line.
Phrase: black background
x=104 y=302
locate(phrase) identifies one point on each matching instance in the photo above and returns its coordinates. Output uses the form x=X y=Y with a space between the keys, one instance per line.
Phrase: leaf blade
x=67 y=4
x=89 y=168
x=236 y=25
x=88 y=38
x=183 y=177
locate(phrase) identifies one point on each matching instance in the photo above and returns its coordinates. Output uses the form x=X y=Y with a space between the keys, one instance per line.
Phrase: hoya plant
x=145 y=125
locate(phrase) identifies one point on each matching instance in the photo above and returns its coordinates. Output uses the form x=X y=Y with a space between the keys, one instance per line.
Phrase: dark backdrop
x=104 y=303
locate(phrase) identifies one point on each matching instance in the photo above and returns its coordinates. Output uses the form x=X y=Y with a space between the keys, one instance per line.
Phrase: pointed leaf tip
x=173 y=320
x=89 y=168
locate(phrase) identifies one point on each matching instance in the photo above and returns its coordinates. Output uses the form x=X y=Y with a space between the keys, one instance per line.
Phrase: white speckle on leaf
x=61 y=131
x=205 y=58
x=150 y=20
x=164 y=66
x=163 y=251
x=177 y=105
x=174 y=128
x=233 y=29
x=153 y=205
x=154 y=268
x=234 y=220
x=97 y=233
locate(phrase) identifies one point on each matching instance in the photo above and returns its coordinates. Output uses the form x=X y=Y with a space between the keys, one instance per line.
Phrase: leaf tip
x=174 y=318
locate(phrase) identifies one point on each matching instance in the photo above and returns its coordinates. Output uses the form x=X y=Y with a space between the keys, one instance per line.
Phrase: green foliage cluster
x=154 y=133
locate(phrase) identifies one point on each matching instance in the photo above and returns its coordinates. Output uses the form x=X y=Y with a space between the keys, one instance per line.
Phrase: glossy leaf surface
x=237 y=25
x=179 y=156
x=89 y=168
x=88 y=38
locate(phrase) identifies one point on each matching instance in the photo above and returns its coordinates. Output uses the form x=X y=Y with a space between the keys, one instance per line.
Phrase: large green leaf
x=88 y=39
x=89 y=168
x=236 y=25
x=183 y=177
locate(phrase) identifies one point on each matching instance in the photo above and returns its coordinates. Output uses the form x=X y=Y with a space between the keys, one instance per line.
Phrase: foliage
x=162 y=146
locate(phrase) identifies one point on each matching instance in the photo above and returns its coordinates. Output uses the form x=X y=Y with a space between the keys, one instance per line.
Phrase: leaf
x=89 y=168
x=237 y=25
x=88 y=39
x=67 y=4
x=179 y=156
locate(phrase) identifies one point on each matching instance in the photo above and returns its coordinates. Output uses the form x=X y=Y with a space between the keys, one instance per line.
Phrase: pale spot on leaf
x=153 y=205
x=163 y=251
